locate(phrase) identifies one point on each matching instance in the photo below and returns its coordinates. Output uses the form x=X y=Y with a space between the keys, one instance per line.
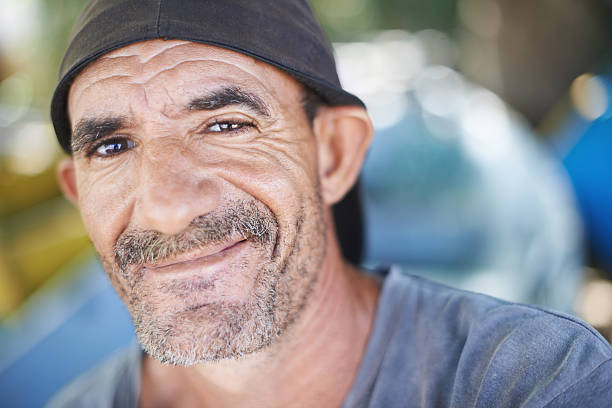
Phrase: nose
x=173 y=191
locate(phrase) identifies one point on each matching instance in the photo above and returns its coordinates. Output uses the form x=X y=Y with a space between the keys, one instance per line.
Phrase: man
x=208 y=142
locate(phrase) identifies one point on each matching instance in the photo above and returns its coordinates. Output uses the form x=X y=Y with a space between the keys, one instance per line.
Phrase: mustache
x=238 y=221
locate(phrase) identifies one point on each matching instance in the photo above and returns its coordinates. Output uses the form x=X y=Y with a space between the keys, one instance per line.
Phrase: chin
x=253 y=303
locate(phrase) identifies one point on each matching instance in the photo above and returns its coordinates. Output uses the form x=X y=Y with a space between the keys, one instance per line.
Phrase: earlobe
x=66 y=178
x=343 y=135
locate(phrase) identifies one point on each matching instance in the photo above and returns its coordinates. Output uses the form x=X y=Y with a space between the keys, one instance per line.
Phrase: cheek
x=104 y=207
x=277 y=176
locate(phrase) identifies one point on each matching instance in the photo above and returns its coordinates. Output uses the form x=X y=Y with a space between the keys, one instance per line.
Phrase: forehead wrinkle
x=220 y=81
x=188 y=49
x=136 y=50
x=99 y=80
x=75 y=92
x=95 y=73
x=152 y=114
x=107 y=67
x=224 y=67
x=116 y=59
x=147 y=77
x=168 y=110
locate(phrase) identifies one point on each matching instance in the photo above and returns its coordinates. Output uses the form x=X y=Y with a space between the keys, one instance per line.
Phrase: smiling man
x=212 y=173
x=208 y=142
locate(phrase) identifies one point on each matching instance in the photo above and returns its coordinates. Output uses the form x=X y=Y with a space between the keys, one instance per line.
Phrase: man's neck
x=312 y=364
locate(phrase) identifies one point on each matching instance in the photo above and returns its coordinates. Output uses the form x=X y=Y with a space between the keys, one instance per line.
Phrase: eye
x=228 y=126
x=111 y=147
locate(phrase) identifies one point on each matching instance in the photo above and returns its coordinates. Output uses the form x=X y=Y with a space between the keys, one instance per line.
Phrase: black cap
x=282 y=33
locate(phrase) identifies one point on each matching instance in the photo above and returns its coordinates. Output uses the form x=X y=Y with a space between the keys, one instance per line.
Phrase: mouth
x=197 y=258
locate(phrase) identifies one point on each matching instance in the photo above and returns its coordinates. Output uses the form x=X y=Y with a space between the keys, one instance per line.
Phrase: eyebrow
x=229 y=96
x=88 y=130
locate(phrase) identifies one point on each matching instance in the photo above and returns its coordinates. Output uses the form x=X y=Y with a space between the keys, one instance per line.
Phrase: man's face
x=196 y=173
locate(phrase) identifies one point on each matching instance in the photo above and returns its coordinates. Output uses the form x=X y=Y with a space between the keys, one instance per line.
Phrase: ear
x=66 y=178
x=343 y=136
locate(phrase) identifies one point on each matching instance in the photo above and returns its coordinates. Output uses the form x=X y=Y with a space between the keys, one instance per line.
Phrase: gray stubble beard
x=224 y=330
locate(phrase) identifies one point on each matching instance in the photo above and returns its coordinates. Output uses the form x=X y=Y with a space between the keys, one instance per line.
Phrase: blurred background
x=491 y=168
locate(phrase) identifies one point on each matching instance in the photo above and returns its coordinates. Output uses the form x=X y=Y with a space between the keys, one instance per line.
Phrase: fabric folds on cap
x=282 y=33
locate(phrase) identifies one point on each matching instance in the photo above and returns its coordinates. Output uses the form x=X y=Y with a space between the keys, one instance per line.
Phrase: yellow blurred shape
x=595 y=303
x=18 y=191
x=44 y=248
x=589 y=96
x=11 y=292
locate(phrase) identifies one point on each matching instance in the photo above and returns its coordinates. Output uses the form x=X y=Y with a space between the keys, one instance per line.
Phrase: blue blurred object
x=588 y=161
x=64 y=331
x=458 y=189
x=456 y=185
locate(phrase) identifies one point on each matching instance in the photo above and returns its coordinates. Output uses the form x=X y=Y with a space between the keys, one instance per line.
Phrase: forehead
x=172 y=70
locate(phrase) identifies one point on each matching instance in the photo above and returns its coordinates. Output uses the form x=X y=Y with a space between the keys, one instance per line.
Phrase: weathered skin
x=175 y=165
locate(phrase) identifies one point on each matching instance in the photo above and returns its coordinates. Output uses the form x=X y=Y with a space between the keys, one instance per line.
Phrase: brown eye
x=219 y=127
x=113 y=146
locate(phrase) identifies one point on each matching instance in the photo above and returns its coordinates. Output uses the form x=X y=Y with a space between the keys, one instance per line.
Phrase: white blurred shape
x=18 y=23
x=440 y=50
x=353 y=62
x=589 y=96
x=381 y=72
x=31 y=149
x=439 y=90
x=405 y=55
x=386 y=109
x=384 y=66
x=486 y=126
x=404 y=60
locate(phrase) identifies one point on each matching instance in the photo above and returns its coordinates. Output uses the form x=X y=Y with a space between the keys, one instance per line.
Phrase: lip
x=199 y=257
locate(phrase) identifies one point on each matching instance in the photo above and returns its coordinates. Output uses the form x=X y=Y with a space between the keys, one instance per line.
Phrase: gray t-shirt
x=434 y=346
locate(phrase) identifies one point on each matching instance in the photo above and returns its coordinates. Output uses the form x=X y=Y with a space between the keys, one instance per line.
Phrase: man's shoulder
x=490 y=324
x=466 y=313
x=457 y=348
x=113 y=383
